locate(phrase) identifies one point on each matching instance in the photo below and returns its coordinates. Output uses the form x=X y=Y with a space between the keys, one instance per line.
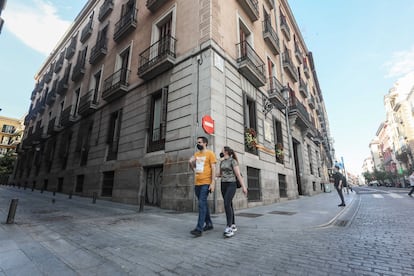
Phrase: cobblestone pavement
x=372 y=235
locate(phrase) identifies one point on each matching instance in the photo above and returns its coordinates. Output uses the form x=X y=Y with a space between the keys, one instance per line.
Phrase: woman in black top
x=229 y=171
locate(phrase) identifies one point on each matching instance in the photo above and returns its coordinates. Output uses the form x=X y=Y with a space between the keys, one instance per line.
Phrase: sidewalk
x=76 y=237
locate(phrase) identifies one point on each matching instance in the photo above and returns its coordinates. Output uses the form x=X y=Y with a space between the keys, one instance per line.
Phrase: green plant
x=250 y=138
x=279 y=152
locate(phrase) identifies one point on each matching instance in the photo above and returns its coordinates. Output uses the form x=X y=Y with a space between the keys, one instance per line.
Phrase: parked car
x=374 y=183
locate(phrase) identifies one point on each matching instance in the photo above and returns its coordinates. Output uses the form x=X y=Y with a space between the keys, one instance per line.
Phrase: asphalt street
x=55 y=235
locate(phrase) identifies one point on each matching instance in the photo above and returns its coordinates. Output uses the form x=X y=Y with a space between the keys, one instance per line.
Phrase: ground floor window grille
x=108 y=183
x=282 y=185
x=253 y=180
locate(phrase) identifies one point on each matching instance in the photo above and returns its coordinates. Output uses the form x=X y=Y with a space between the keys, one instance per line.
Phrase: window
x=84 y=142
x=253 y=178
x=157 y=120
x=96 y=81
x=76 y=103
x=279 y=146
x=61 y=106
x=60 y=185
x=114 y=131
x=8 y=129
x=250 y=122
x=310 y=159
x=282 y=185
x=108 y=184
x=79 y=183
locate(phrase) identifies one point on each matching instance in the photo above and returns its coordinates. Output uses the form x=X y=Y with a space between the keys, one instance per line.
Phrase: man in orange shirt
x=203 y=163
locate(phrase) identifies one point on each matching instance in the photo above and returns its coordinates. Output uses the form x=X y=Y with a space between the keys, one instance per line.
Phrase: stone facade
x=126 y=122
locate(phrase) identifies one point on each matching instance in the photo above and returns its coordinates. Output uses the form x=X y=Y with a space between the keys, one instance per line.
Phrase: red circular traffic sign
x=208 y=124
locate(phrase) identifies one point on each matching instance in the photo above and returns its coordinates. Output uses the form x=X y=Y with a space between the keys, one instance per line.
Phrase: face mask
x=221 y=155
x=200 y=147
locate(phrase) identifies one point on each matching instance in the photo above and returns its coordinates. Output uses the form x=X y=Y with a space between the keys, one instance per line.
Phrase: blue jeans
x=202 y=192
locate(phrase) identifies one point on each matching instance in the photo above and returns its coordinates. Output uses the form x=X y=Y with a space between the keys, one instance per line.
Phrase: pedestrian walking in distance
x=203 y=163
x=411 y=178
x=338 y=178
x=229 y=173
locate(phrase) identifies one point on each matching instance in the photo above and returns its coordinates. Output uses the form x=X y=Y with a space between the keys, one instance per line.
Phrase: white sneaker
x=234 y=228
x=228 y=232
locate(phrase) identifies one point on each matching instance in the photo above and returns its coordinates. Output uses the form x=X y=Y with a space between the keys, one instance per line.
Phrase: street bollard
x=94 y=198
x=12 y=211
x=141 y=203
x=41 y=191
x=70 y=195
x=53 y=200
x=54 y=193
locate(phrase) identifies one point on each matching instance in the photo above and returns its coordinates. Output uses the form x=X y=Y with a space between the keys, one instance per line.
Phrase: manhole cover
x=249 y=215
x=282 y=213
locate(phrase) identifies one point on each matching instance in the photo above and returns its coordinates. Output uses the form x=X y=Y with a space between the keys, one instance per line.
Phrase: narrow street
x=372 y=235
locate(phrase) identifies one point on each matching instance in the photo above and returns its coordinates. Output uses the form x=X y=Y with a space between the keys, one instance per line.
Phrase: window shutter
x=118 y=128
x=148 y=116
x=111 y=130
x=245 y=110
x=164 y=102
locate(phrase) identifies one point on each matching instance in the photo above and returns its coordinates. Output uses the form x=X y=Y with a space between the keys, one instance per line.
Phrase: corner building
x=118 y=105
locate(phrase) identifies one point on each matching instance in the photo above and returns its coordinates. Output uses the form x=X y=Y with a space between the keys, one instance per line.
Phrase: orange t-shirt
x=204 y=162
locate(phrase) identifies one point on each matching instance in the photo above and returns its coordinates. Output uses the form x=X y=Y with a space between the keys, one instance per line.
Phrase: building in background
x=2 y=6
x=118 y=106
x=368 y=165
x=11 y=132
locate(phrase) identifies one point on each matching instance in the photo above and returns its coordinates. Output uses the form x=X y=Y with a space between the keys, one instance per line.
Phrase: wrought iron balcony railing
x=157 y=58
x=126 y=24
x=270 y=37
x=105 y=9
x=250 y=64
x=116 y=85
x=251 y=7
x=99 y=50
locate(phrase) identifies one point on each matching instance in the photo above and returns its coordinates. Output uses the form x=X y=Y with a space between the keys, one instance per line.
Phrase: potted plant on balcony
x=250 y=138
x=279 y=152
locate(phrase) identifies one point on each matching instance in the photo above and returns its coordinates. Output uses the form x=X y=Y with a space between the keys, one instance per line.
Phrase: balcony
x=86 y=32
x=99 y=50
x=62 y=86
x=311 y=102
x=270 y=37
x=116 y=85
x=298 y=54
x=59 y=63
x=284 y=27
x=251 y=65
x=303 y=88
x=70 y=51
x=125 y=25
x=298 y=113
x=51 y=97
x=289 y=67
x=275 y=92
x=48 y=76
x=154 y=5
x=38 y=136
x=251 y=7
x=78 y=71
x=306 y=70
x=52 y=127
x=66 y=118
x=157 y=59
x=105 y=9
x=88 y=103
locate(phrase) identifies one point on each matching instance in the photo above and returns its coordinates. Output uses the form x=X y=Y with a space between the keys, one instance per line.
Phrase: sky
x=361 y=48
